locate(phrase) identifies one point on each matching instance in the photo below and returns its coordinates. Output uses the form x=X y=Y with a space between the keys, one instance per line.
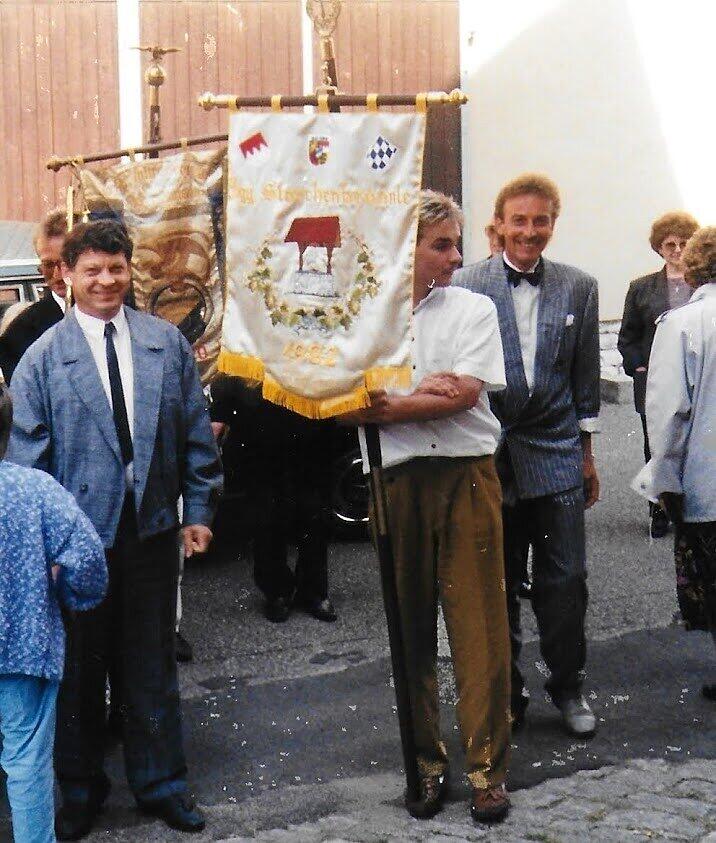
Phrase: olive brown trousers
x=444 y=520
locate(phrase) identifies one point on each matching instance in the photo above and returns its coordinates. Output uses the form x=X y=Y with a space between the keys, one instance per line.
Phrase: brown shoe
x=430 y=799
x=490 y=804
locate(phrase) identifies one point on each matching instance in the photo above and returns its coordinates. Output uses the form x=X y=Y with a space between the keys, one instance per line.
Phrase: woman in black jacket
x=647 y=298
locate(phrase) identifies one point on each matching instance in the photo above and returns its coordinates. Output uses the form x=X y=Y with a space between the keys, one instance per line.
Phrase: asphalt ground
x=287 y=723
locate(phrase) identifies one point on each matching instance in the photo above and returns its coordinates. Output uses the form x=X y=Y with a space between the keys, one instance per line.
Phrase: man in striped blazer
x=549 y=321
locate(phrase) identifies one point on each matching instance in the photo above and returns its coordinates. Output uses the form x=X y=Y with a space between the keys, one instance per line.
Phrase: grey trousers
x=554 y=526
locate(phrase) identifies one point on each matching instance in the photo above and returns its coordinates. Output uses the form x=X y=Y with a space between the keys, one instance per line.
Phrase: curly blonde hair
x=699 y=257
x=678 y=223
x=529 y=183
x=436 y=207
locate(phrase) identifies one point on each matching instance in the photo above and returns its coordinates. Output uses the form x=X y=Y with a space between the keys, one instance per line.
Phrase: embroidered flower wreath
x=325 y=317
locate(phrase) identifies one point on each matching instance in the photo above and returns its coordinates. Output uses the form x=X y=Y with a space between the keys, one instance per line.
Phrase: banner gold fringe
x=252 y=369
x=315 y=408
x=387 y=377
x=240 y=365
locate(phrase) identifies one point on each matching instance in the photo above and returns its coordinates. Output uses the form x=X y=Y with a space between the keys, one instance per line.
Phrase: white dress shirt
x=525 y=298
x=93 y=329
x=60 y=301
x=457 y=331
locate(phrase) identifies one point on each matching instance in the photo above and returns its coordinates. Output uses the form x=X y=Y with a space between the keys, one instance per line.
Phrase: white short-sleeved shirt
x=453 y=330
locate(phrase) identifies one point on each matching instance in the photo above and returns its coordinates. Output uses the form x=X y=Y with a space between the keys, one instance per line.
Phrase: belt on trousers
x=395 y=470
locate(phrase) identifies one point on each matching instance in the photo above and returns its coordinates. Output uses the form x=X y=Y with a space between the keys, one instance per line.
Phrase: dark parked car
x=19 y=282
x=20 y=279
x=348 y=500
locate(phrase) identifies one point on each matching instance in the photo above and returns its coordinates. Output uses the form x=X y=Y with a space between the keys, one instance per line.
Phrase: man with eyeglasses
x=32 y=323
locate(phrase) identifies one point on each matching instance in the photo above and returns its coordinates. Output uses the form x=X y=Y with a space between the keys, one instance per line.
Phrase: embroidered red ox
x=252 y=147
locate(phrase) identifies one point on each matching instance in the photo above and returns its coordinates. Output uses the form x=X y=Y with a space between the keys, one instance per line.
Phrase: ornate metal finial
x=207 y=101
x=157 y=51
x=457 y=97
x=324 y=15
x=155 y=76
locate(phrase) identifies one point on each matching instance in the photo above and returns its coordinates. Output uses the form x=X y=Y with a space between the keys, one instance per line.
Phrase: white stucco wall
x=611 y=98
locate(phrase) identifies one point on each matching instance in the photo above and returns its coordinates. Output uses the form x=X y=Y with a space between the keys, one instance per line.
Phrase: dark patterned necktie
x=119 y=408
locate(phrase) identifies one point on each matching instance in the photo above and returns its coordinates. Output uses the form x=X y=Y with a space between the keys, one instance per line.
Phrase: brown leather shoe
x=430 y=800
x=490 y=804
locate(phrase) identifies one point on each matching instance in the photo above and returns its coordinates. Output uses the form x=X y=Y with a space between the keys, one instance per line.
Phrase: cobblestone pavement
x=640 y=800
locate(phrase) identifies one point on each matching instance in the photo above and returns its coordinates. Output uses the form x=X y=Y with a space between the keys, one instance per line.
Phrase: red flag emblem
x=253 y=145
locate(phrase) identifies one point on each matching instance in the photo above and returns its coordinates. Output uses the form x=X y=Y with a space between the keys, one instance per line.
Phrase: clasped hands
x=445 y=384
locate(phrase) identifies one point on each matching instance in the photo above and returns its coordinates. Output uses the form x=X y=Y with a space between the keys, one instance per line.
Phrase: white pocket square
x=569 y=320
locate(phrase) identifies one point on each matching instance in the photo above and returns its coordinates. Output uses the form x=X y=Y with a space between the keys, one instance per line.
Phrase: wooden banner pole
x=389 y=587
x=335 y=101
x=209 y=101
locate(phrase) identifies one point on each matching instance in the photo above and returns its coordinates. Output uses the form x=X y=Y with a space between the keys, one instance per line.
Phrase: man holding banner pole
x=443 y=510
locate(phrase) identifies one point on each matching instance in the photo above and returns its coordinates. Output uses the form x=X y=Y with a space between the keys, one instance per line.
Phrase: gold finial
x=155 y=76
x=207 y=101
x=457 y=97
x=157 y=51
x=324 y=15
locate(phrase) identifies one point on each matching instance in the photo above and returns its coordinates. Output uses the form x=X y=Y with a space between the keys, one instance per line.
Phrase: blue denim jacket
x=42 y=526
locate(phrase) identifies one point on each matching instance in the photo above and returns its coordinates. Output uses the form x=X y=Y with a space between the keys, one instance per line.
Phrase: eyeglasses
x=48 y=268
x=673 y=245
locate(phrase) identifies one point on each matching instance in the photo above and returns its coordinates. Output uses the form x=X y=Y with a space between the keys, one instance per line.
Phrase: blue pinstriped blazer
x=540 y=432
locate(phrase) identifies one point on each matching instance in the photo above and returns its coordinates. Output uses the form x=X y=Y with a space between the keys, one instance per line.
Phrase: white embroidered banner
x=321 y=220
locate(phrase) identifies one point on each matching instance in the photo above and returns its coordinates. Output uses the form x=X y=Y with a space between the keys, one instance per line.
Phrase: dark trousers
x=287 y=465
x=554 y=525
x=130 y=636
x=695 y=557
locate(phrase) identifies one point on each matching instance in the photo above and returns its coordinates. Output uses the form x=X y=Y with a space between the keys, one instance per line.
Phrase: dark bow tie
x=514 y=276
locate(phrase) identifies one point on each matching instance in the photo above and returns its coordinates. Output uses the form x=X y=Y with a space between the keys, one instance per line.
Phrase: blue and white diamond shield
x=382 y=154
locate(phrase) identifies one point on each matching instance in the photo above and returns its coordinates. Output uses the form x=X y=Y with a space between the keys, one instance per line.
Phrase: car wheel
x=349 y=496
